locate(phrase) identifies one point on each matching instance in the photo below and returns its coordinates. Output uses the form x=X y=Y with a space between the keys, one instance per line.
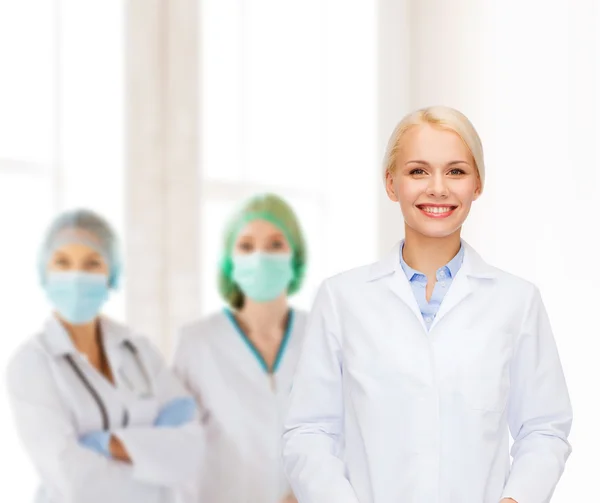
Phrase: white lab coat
x=243 y=409
x=53 y=409
x=381 y=411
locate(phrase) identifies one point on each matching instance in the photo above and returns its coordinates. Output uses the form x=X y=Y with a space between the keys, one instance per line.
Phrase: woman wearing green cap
x=239 y=362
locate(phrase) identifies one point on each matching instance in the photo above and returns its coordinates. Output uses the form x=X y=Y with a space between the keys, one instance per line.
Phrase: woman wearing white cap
x=101 y=417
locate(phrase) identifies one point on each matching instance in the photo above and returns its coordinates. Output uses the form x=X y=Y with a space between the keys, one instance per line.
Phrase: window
x=288 y=105
x=27 y=159
x=61 y=131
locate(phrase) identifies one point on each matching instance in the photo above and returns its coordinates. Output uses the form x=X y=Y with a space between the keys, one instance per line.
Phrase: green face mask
x=262 y=276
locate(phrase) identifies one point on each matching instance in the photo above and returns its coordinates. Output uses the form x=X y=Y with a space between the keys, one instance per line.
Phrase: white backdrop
x=527 y=74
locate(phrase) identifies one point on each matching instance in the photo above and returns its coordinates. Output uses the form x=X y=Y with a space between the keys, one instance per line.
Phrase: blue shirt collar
x=451 y=268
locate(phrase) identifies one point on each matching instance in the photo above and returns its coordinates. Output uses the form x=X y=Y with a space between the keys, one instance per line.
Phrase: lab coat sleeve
x=48 y=434
x=539 y=411
x=313 y=428
x=167 y=456
x=186 y=356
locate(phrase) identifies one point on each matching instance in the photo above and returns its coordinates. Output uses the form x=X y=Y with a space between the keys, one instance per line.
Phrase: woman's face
x=263 y=236
x=77 y=257
x=435 y=181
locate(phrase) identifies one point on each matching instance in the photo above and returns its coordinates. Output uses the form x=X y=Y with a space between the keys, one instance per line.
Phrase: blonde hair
x=443 y=118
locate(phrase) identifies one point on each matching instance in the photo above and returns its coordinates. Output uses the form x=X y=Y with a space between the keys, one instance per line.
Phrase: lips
x=436 y=211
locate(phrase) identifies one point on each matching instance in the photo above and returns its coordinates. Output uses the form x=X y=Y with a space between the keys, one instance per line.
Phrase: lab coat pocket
x=483 y=369
x=486 y=393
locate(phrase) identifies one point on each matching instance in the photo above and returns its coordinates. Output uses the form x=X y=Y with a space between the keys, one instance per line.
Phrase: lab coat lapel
x=390 y=271
x=113 y=337
x=465 y=283
x=56 y=338
x=400 y=285
x=460 y=289
x=239 y=352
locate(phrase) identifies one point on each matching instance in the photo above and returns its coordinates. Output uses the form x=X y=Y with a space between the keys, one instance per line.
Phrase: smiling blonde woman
x=414 y=369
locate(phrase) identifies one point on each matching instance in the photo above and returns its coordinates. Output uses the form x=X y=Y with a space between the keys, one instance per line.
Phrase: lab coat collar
x=59 y=343
x=389 y=269
x=473 y=265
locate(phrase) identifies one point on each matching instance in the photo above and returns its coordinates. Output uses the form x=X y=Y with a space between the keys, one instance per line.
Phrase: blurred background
x=164 y=114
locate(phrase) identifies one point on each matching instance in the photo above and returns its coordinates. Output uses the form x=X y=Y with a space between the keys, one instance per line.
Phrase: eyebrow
x=270 y=236
x=451 y=163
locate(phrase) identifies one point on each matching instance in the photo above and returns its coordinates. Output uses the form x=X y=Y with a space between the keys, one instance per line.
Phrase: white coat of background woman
x=239 y=362
x=100 y=415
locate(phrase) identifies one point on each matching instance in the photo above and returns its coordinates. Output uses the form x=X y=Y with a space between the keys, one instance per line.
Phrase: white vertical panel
x=393 y=102
x=145 y=196
x=181 y=169
x=162 y=188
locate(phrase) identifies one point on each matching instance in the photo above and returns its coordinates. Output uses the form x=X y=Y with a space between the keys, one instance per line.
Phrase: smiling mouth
x=436 y=211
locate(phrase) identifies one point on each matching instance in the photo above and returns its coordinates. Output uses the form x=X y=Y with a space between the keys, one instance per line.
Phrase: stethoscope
x=96 y=396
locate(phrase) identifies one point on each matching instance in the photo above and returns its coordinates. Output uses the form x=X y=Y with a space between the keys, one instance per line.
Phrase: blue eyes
x=453 y=172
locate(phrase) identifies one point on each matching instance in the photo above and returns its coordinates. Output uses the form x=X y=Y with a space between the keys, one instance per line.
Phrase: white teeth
x=436 y=209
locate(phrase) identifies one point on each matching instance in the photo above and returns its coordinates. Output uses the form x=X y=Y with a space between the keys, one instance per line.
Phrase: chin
x=436 y=230
x=437 y=233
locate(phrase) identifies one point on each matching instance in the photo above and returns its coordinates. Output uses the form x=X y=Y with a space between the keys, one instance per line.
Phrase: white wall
x=526 y=73
x=61 y=146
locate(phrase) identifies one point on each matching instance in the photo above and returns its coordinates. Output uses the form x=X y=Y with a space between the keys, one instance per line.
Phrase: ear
x=478 y=189
x=389 y=187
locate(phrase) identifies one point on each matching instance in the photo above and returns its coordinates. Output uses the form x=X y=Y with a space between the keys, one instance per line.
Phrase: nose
x=437 y=186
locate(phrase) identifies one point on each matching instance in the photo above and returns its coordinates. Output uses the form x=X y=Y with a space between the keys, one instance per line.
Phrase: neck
x=264 y=317
x=84 y=337
x=427 y=254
